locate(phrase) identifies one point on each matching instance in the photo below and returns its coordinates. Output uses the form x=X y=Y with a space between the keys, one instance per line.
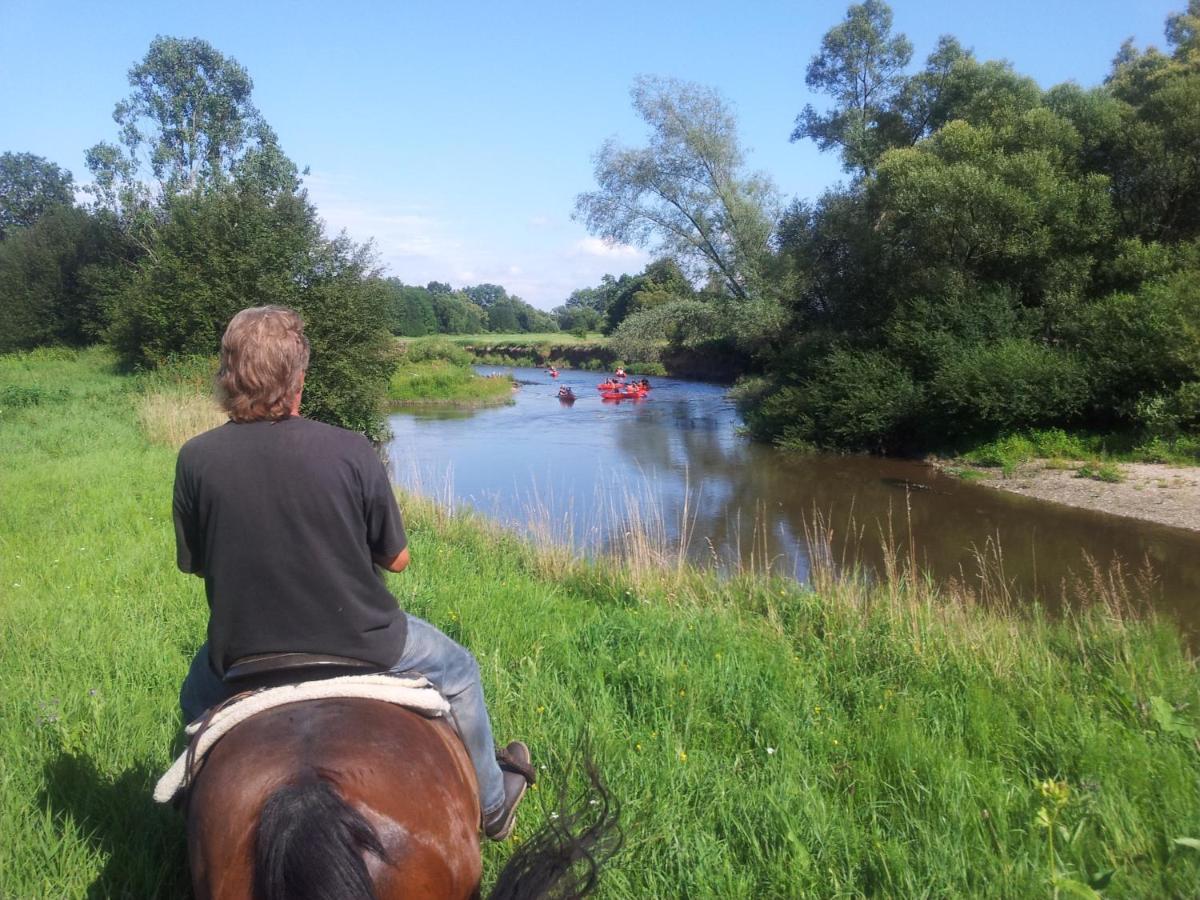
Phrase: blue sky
x=457 y=135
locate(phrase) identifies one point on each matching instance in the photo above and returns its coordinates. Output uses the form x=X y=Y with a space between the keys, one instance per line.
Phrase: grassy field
x=763 y=740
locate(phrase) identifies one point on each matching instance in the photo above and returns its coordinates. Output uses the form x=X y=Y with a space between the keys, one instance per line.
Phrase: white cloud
x=594 y=246
x=401 y=233
x=419 y=244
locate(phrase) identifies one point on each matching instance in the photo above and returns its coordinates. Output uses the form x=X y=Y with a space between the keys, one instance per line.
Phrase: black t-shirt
x=283 y=519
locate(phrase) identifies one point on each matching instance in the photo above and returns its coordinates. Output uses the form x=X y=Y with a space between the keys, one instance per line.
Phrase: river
x=672 y=474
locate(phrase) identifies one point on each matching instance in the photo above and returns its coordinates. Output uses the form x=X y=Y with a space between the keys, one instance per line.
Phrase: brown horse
x=348 y=798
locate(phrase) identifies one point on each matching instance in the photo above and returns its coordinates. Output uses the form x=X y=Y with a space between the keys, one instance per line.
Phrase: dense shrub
x=925 y=332
x=1009 y=384
x=436 y=348
x=860 y=400
x=1170 y=414
x=1144 y=343
x=54 y=276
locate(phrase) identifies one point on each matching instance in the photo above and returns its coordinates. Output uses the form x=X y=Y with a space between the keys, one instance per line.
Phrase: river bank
x=763 y=738
x=1151 y=492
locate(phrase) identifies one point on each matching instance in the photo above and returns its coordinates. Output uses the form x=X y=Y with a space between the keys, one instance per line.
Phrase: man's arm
x=189 y=541
x=398 y=563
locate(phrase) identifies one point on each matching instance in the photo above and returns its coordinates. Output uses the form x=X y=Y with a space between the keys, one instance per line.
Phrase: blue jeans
x=450 y=667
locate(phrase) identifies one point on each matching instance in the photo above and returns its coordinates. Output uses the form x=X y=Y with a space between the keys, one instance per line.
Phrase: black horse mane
x=564 y=857
x=309 y=846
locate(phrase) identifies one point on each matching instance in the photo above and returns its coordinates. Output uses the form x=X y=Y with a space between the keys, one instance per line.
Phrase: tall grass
x=171 y=417
x=1012 y=450
x=861 y=737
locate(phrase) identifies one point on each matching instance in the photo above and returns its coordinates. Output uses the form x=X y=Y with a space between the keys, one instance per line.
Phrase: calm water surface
x=673 y=465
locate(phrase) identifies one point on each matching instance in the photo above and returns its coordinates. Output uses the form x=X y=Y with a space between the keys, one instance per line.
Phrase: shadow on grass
x=143 y=841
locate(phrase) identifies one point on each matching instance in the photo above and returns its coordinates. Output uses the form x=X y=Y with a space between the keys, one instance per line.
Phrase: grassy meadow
x=764 y=740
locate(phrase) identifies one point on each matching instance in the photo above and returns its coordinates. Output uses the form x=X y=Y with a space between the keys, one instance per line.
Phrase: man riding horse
x=286 y=519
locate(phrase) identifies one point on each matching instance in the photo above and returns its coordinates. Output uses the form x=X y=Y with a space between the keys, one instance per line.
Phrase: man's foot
x=517 y=767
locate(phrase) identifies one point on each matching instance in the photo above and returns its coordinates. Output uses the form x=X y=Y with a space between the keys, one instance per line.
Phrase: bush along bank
x=854 y=738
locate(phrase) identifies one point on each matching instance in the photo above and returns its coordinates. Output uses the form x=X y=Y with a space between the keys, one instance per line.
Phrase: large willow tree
x=686 y=194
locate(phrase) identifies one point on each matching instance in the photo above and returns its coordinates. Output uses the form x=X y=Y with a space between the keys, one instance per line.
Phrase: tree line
x=437 y=308
x=999 y=257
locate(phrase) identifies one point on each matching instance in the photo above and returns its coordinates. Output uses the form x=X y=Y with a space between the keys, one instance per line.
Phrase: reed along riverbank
x=763 y=739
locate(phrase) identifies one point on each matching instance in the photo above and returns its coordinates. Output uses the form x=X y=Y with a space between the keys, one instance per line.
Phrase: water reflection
x=674 y=464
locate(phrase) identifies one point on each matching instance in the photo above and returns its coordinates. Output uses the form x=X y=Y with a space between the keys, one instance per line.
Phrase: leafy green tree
x=532 y=319
x=579 y=317
x=1154 y=142
x=1141 y=344
x=861 y=399
x=585 y=309
x=188 y=124
x=661 y=282
x=986 y=204
x=410 y=309
x=55 y=278
x=1183 y=32
x=502 y=317
x=189 y=116
x=199 y=183
x=1013 y=383
x=861 y=65
x=485 y=295
x=686 y=193
x=685 y=324
x=30 y=185
x=456 y=314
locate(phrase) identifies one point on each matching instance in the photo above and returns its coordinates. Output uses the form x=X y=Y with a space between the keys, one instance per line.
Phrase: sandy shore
x=1169 y=495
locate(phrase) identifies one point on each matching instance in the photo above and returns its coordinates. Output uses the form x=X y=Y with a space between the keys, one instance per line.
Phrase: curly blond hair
x=264 y=355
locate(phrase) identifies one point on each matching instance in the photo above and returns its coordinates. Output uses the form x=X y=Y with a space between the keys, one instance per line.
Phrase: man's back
x=283 y=519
